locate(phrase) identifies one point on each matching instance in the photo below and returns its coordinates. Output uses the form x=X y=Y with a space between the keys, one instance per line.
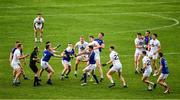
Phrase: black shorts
x=33 y=68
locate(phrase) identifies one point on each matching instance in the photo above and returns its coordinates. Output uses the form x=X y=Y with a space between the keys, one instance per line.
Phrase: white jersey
x=154 y=44
x=114 y=58
x=38 y=22
x=147 y=60
x=15 y=59
x=95 y=44
x=81 y=46
x=139 y=42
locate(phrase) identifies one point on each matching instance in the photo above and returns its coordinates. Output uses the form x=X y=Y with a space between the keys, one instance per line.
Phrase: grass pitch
x=66 y=20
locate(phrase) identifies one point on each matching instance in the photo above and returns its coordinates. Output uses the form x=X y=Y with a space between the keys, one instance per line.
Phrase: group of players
x=149 y=48
x=146 y=46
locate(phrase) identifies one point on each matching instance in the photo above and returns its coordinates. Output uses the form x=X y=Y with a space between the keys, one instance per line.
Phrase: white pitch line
x=85 y=5
x=140 y=13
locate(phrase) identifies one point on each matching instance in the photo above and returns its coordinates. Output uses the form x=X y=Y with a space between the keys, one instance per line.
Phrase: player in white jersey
x=38 y=26
x=117 y=67
x=155 y=47
x=97 y=56
x=15 y=63
x=147 y=70
x=81 y=46
x=139 y=43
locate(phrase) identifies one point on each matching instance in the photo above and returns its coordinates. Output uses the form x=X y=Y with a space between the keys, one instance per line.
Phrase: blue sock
x=85 y=76
x=94 y=76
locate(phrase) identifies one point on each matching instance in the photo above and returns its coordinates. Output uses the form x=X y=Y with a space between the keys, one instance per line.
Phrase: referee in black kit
x=33 y=60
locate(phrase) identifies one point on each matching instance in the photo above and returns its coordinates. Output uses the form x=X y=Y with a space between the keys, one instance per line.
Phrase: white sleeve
x=136 y=41
x=112 y=57
x=43 y=20
x=35 y=20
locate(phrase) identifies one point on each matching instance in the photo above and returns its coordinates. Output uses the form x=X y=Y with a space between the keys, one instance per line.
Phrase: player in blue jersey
x=66 y=61
x=101 y=46
x=90 y=67
x=53 y=49
x=147 y=39
x=164 y=72
x=47 y=54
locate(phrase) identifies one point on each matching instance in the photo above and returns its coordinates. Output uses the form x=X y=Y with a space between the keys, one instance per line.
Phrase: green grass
x=66 y=20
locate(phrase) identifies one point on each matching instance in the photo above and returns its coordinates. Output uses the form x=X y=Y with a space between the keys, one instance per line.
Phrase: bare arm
x=109 y=62
x=10 y=57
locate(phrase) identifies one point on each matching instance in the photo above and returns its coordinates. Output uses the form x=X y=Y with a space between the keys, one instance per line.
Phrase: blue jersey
x=100 y=42
x=68 y=55
x=47 y=55
x=92 y=58
x=164 y=66
x=146 y=40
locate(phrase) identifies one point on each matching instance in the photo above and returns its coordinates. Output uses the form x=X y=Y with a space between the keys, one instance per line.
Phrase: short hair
x=81 y=36
x=18 y=42
x=48 y=42
x=102 y=34
x=91 y=36
x=112 y=47
x=139 y=34
x=148 y=31
x=144 y=52
x=91 y=47
x=160 y=54
x=19 y=45
x=35 y=48
x=39 y=14
x=155 y=34
x=47 y=46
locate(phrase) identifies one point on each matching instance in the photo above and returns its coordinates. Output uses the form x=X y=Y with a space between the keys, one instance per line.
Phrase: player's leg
x=35 y=35
x=64 y=70
x=98 y=62
x=94 y=76
x=41 y=35
x=109 y=76
x=84 y=77
x=161 y=81
x=154 y=63
x=76 y=66
x=122 y=78
x=40 y=72
x=136 y=54
x=18 y=73
x=50 y=71
x=36 y=78
x=23 y=73
x=68 y=71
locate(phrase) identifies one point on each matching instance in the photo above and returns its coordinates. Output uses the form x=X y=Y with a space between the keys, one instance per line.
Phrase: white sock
x=41 y=39
x=111 y=80
x=75 y=72
x=35 y=39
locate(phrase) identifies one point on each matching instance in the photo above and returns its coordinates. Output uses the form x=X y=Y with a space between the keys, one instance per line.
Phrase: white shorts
x=151 y=55
x=163 y=76
x=116 y=68
x=83 y=58
x=90 y=67
x=147 y=72
x=44 y=64
x=15 y=66
x=38 y=27
x=137 y=53
x=66 y=62
x=97 y=57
